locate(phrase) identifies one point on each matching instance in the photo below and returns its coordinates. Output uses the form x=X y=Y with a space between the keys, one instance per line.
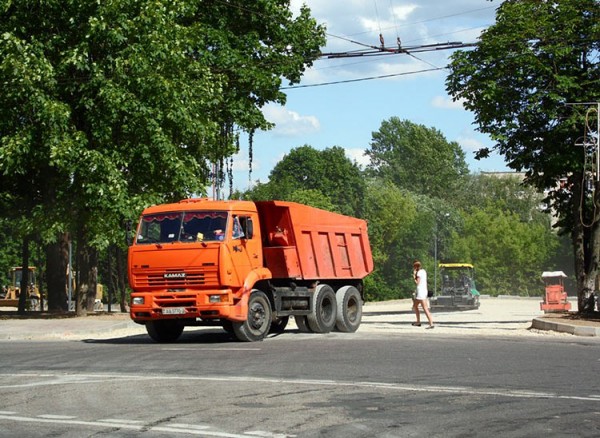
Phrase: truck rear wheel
x=258 y=322
x=349 y=309
x=323 y=315
x=164 y=330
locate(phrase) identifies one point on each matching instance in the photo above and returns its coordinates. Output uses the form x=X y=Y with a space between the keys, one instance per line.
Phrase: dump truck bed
x=309 y=243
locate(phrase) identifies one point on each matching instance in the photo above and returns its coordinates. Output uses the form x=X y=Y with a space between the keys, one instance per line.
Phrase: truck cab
x=189 y=257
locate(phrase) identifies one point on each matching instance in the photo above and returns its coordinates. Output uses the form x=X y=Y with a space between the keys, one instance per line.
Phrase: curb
x=576 y=330
x=48 y=331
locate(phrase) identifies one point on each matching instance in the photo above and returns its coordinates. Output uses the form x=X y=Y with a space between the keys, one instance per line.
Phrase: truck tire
x=349 y=309
x=323 y=315
x=165 y=330
x=258 y=322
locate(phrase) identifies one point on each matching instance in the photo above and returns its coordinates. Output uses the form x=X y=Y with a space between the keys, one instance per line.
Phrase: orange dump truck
x=247 y=266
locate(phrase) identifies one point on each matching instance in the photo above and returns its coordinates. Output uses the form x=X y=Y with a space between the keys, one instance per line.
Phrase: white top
x=546 y=274
x=422 y=284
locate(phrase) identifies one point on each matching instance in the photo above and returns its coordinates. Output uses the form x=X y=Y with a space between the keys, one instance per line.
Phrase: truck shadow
x=203 y=336
x=190 y=337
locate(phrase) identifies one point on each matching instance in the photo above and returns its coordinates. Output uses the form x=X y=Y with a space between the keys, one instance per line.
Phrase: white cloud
x=241 y=163
x=357 y=155
x=354 y=25
x=469 y=144
x=290 y=123
x=444 y=102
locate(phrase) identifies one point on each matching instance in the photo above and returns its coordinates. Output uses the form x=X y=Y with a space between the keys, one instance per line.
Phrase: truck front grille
x=197 y=278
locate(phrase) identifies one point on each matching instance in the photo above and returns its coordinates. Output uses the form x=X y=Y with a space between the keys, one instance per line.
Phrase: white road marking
x=57 y=417
x=211 y=349
x=205 y=430
x=189 y=426
x=263 y=434
x=496 y=392
x=119 y=421
x=123 y=425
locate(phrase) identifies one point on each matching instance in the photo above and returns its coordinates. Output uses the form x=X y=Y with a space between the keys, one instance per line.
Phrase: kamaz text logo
x=174 y=275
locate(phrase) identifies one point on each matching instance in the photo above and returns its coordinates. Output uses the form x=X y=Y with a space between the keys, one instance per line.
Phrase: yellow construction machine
x=9 y=297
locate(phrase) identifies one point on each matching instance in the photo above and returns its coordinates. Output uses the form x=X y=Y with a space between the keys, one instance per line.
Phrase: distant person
x=420 y=296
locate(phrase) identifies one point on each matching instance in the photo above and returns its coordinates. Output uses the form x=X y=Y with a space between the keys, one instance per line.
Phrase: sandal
x=416 y=324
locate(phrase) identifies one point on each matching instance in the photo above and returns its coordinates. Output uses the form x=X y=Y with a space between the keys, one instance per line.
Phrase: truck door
x=245 y=245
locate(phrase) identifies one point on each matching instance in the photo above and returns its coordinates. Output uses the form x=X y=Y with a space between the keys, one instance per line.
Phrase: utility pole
x=597 y=142
x=435 y=253
x=586 y=297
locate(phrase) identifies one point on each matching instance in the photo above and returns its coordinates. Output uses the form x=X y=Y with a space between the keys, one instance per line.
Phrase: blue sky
x=346 y=114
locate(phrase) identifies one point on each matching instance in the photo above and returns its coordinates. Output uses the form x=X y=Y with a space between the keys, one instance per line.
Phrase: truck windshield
x=188 y=226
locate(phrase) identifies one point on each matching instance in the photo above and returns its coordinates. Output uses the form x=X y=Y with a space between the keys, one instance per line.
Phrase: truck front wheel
x=322 y=317
x=164 y=330
x=257 y=324
x=349 y=309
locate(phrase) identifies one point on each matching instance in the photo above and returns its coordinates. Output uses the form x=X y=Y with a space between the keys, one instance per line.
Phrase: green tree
x=506 y=192
x=109 y=106
x=9 y=252
x=312 y=197
x=396 y=237
x=328 y=171
x=416 y=158
x=536 y=59
x=509 y=254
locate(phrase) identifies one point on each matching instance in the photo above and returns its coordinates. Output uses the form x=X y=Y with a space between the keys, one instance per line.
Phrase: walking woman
x=420 y=297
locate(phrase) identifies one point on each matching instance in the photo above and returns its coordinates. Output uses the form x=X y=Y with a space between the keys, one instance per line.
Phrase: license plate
x=173 y=311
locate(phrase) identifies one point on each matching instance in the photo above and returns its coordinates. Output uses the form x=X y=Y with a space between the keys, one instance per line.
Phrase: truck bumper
x=196 y=305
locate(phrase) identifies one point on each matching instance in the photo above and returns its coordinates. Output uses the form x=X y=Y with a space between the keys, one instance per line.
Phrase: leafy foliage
x=328 y=171
x=506 y=192
x=520 y=80
x=416 y=158
x=508 y=253
x=393 y=222
x=107 y=107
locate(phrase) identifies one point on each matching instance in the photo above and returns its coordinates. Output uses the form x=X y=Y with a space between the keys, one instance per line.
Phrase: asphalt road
x=366 y=384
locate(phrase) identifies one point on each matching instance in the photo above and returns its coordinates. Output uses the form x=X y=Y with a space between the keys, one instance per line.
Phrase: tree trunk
x=122 y=276
x=586 y=243
x=57 y=259
x=92 y=278
x=81 y=274
x=117 y=274
x=24 y=286
x=87 y=274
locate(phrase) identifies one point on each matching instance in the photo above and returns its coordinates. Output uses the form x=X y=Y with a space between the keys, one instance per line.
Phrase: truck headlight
x=137 y=301
x=214 y=298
